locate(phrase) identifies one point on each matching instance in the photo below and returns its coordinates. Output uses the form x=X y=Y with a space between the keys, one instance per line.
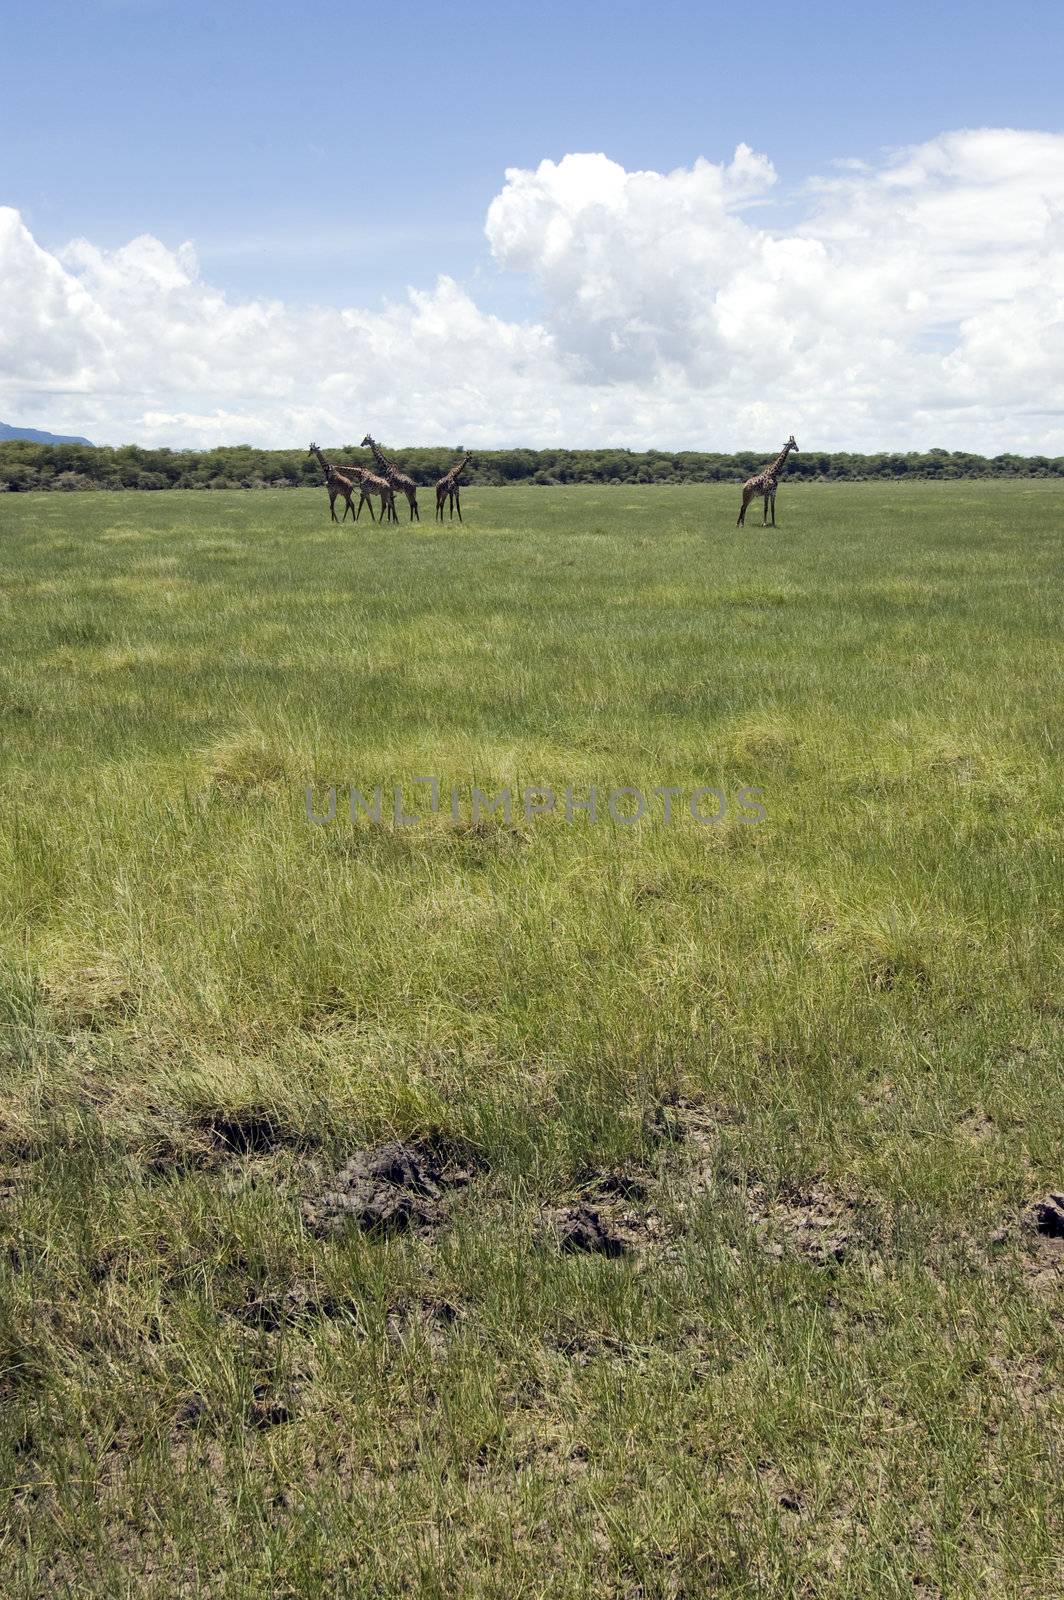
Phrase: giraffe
x=448 y=488
x=362 y=475
x=398 y=480
x=369 y=484
x=764 y=484
x=338 y=482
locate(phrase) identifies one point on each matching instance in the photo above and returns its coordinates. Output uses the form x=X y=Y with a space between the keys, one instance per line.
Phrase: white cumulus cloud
x=914 y=302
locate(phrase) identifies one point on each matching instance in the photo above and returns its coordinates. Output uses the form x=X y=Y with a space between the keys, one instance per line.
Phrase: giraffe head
x=792 y=445
x=313 y=450
x=367 y=443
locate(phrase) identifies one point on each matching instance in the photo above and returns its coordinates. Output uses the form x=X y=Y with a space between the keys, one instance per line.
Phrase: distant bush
x=25 y=466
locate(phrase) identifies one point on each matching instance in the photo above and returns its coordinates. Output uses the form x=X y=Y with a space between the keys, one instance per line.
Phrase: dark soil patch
x=614 y=1185
x=582 y=1346
x=1043 y=1230
x=301 y=1303
x=583 y=1231
x=251 y=1132
x=610 y=1214
x=393 y=1188
x=1047 y=1216
x=16 y=1145
x=191 y=1412
x=178 y=1151
x=269 y=1410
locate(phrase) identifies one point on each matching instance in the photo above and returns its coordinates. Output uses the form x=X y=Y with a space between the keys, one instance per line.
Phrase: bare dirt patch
x=695 y=1124
x=392 y=1188
x=818 y=1223
x=1043 y=1238
x=582 y=1230
x=611 y=1215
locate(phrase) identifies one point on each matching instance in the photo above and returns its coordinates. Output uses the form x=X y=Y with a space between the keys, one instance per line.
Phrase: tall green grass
x=862 y=993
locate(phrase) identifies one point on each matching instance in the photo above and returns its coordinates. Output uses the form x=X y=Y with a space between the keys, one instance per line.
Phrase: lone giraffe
x=448 y=488
x=764 y=484
x=398 y=480
x=347 y=481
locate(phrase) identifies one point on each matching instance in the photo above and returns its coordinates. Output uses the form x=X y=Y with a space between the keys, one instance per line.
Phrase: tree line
x=25 y=466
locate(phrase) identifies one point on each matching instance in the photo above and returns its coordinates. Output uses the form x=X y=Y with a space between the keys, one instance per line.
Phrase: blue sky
x=340 y=151
x=341 y=174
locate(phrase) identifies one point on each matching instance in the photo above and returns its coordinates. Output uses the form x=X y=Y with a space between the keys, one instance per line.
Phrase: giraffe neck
x=325 y=467
x=780 y=461
x=379 y=456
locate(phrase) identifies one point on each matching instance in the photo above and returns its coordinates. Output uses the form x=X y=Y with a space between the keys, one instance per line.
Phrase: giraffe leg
x=458 y=501
x=332 y=508
x=414 y=512
x=773 y=510
x=764 y=513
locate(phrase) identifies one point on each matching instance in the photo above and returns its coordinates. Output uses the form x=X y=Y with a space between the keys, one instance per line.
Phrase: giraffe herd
x=382 y=485
x=346 y=479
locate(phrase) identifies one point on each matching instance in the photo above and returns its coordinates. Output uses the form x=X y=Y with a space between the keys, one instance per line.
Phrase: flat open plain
x=707 y=1264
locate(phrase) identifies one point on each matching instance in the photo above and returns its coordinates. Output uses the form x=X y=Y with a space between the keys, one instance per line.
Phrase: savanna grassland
x=798 y=1082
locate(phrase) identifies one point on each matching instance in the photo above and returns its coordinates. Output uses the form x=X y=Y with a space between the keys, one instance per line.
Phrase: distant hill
x=34 y=436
